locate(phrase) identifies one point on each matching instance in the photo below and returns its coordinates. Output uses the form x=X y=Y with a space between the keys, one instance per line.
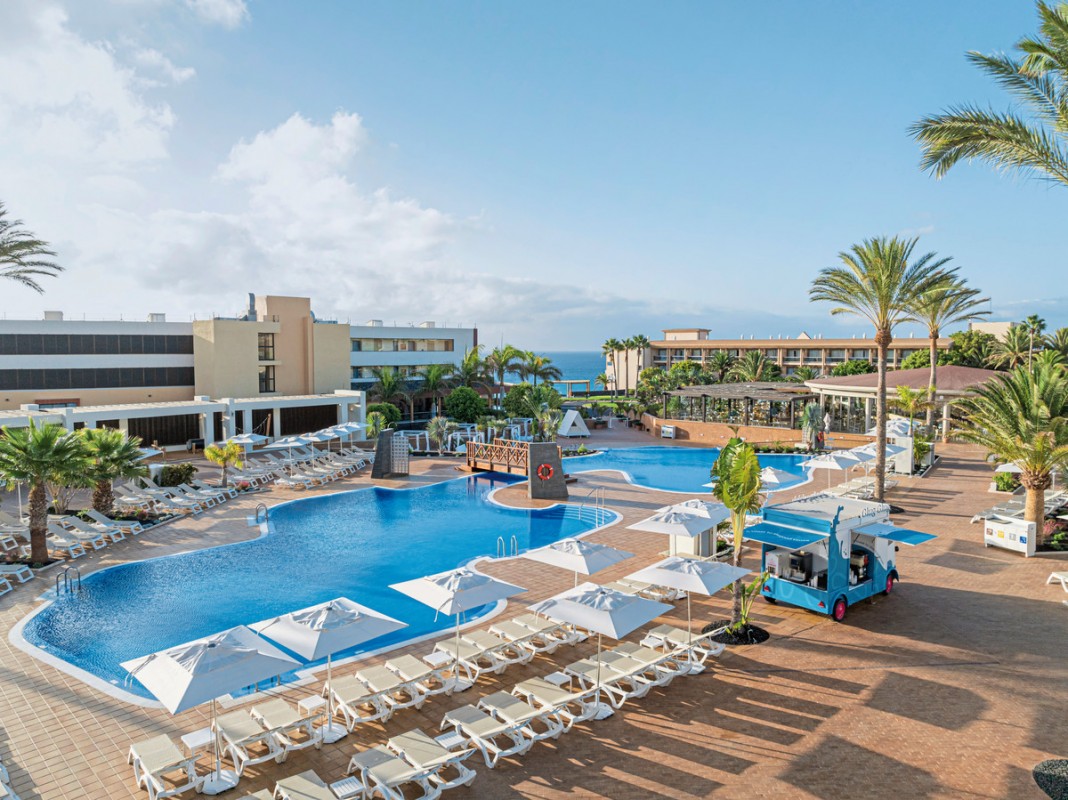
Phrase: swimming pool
x=351 y=543
x=676 y=469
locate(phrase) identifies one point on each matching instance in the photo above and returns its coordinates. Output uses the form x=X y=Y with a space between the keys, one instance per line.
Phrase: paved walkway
x=955 y=686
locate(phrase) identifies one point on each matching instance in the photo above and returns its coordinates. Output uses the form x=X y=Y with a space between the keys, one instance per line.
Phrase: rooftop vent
x=427 y=324
x=374 y=323
x=54 y=316
x=157 y=317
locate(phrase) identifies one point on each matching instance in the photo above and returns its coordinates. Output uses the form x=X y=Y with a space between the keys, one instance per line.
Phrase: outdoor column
x=276 y=422
x=230 y=425
x=124 y=426
x=945 y=422
x=704 y=408
x=867 y=413
x=205 y=426
x=746 y=407
x=791 y=415
x=246 y=420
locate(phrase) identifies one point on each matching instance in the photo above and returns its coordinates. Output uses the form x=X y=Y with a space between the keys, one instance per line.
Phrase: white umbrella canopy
x=455 y=592
x=604 y=611
x=894 y=427
x=324 y=629
x=835 y=459
x=200 y=671
x=578 y=555
x=674 y=522
x=769 y=476
x=715 y=512
x=1009 y=467
x=325 y=435
x=147 y=452
x=871 y=450
x=246 y=439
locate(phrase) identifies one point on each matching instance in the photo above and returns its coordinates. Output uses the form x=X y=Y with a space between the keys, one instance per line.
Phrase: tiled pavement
x=955 y=686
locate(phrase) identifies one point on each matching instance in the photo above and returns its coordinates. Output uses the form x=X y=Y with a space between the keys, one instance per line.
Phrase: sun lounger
x=180 y=504
x=493 y=738
x=5 y=587
x=570 y=707
x=426 y=753
x=214 y=497
x=504 y=650
x=94 y=539
x=382 y=772
x=516 y=711
x=12 y=525
x=564 y=634
x=430 y=680
x=521 y=636
x=228 y=491
x=158 y=757
x=59 y=543
x=297 y=481
x=20 y=572
x=112 y=532
x=132 y=527
x=8 y=542
x=358 y=703
x=696 y=649
x=241 y=733
x=392 y=688
x=305 y=786
x=621 y=678
x=285 y=722
x=1058 y=577
x=262 y=794
x=473 y=660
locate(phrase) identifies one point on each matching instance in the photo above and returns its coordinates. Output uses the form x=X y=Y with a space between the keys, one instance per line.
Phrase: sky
x=554 y=173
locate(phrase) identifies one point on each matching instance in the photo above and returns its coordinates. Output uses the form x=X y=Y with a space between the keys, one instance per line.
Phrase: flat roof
x=725 y=344
x=951 y=379
x=778 y=392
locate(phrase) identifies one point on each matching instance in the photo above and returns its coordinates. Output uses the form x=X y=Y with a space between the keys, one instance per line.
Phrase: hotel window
x=357 y=345
x=860 y=355
x=836 y=355
x=266 y=379
x=266 y=349
x=793 y=355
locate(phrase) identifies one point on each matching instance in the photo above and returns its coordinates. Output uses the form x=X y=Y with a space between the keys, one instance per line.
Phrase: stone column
x=246 y=420
x=550 y=484
x=276 y=422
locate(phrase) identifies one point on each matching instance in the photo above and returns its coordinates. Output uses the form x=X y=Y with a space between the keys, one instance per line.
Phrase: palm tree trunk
x=932 y=384
x=736 y=590
x=38 y=524
x=626 y=369
x=882 y=342
x=225 y=471
x=1035 y=501
x=103 y=497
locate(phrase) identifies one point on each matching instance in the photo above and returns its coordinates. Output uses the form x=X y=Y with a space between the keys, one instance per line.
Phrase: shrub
x=1006 y=481
x=524 y=400
x=387 y=410
x=464 y=404
x=855 y=367
x=173 y=474
x=1059 y=540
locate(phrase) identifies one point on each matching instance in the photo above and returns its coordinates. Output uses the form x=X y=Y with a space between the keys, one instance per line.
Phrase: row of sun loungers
x=1055 y=500
x=323 y=469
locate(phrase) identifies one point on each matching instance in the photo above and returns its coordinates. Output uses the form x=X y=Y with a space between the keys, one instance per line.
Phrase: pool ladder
x=67 y=583
x=595 y=500
x=502 y=550
x=266 y=514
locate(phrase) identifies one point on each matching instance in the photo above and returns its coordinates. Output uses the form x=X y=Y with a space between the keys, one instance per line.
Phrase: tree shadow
x=940 y=704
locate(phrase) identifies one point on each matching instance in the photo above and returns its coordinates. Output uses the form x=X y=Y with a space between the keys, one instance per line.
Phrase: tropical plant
x=471 y=371
x=881 y=282
x=1021 y=417
x=802 y=374
x=388 y=387
x=911 y=401
x=601 y=380
x=434 y=380
x=1058 y=341
x=464 y=404
x=499 y=363
x=1013 y=350
x=176 y=474
x=641 y=344
x=736 y=475
x=947 y=305
x=610 y=348
x=375 y=423
x=36 y=456
x=1034 y=141
x=1049 y=358
x=856 y=366
x=811 y=424
x=1035 y=327
x=227 y=455
x=24 y=258
x=114 y=456
x=438 y=429
x=538 y=369
x=720 y=362
x=750 y=592
x=389 y=412
x=970 y=348
x=755 y=366
x=548 y=424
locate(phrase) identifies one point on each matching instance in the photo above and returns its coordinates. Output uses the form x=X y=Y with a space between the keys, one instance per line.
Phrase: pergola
x=744 y=399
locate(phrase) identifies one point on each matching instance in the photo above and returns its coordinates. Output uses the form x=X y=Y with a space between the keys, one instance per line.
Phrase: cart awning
x=894 y=533
x=781 y=536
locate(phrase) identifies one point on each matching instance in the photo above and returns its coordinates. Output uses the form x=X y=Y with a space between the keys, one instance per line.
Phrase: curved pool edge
x=630 y=479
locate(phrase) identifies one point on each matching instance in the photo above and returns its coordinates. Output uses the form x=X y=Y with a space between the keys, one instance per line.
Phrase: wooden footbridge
x=502 y=455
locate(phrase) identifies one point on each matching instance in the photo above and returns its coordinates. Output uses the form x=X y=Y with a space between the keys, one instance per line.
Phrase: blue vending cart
x=825 y=553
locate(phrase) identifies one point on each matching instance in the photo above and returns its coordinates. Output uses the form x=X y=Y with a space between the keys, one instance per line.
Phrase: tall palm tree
x=229 y=454
x=911 y=401
x=641 y=344
x=388 y=386
x=754 y=366
x=880 y=281
x=1034 y=141
x=114 y=456
x=34 y=456
x=720 y=362
x=435 y=380
x=609 y=349
x=24 y=258
x=1013 y=350
x=1021 y=417
x=438 y=430
x=802 y=374
x=737 y=485
x=1035 y=326
x=538 y=369
x=500 y=362
x=1058 y=341
x=601 y=380
x=471 y=371
x=628 y=345
x=945 y=306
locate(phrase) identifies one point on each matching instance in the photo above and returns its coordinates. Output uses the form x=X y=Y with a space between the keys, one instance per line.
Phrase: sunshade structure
x=675 y=522
x=247 y=439
x=689 y=575
x=604 y=611
x=205 y=669
x=1011 y=467
x=790 y=538
x=894 y=428
x=147 y=452
x=772 y=478
x=716 y=512
x=288 y=443
x=324 y=629
x=871 y=450
x=835 y=459
x=578 y=555
x=456 y=592
x=346 y=429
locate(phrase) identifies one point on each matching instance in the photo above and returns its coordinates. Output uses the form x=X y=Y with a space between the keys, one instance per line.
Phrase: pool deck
x=953 y=687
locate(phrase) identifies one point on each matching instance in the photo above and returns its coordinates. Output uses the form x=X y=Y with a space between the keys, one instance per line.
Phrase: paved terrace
x=954 y=687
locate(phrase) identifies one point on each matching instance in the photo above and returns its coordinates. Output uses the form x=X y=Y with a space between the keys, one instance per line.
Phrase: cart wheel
x=889 y=584
x=771 y=600
x=838 y=610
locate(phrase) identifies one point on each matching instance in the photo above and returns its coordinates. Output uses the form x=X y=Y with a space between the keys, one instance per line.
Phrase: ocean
x=576 y=365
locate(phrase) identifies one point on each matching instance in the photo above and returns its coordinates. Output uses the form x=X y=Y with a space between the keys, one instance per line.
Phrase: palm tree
x=880 y=282
x=538 y=369
x=375 y=424
x=388 y=386
x=754 y=366
x=601 y=380
x=1021 y=417
x=1035 y=326
x=499 y=363
x=22 y=257
x=737 y=486
x=114 y=455
x=1036 y=144
x=720 y=362
x=802 y=374
x=435 y=380
x=945 y=306
x=226 y=455
x=1013 y=350
x=641 y=344
x=438 y=429
x=609 y=349
x=1058 y=341
x=911 y=401
x=471 y=371
x=34 y=456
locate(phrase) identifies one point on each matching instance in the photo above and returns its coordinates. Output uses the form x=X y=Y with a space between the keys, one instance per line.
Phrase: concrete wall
x=331 y=344
x=718 y=433
x=225 y=352
x=97 y=397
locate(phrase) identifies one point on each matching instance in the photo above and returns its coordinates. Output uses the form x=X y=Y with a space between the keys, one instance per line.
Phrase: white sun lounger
x=425 y=753
x=130 y=526
x=5 y=587
x=20 y=572
x=504 y=650
x=158 y=757
x=215 y=497
x=241 y=733
x=112 y=532
x=516 y=711
x=284 y=721
x=473 y=660
x=308 y=786
x=430 y=680
x=94 y=539
x=392 y=688
x=696 y=649
x=563 y=633
x=621 y=678
x=521 y=636
x=493 y=738
x=357 y=703
x=570 y=707
x=1058 y=577
x=227 y=490
x=382 y=772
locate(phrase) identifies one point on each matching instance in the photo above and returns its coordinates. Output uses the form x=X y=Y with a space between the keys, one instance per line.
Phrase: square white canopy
x=689 y=575
x=578 y=555
x=601 y=610
x=457 y=590
x=696 y=507
x=674 y=522
x=326 y=628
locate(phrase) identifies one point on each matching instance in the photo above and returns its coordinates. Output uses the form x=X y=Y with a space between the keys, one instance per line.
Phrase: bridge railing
x=501 y=452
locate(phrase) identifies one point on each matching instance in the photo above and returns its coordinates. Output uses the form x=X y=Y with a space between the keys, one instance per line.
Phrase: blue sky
x=556 y=173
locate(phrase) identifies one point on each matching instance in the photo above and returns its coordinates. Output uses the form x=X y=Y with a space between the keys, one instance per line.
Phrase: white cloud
x=154 y=61
x=226 y=13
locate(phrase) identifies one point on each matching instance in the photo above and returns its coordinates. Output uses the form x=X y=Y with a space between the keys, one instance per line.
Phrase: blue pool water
x=351 y=544
x=675 y=469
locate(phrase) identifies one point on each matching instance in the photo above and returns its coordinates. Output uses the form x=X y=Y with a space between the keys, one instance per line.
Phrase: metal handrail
x=500 y=547
x=266 y=513
x=515 y=546
x=67 y=581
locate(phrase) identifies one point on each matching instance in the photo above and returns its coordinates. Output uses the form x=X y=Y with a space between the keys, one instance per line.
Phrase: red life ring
x=545 y=471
